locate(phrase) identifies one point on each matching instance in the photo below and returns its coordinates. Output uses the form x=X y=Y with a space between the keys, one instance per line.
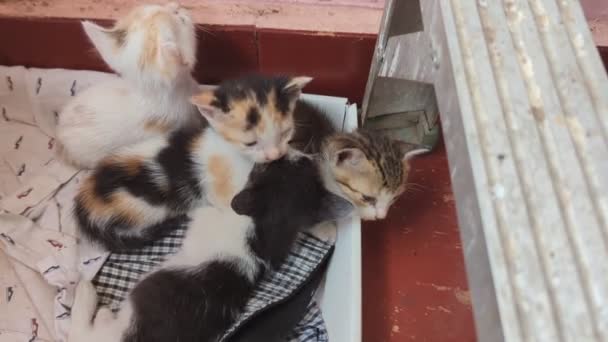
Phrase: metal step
x=523 y=100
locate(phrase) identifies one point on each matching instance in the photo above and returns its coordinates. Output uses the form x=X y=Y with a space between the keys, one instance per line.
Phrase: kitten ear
x=334 y=207
x=411 y=150
x=295 y=85
x=242 y=203
x=203 y=101
x=106 y=41
x=353 y=157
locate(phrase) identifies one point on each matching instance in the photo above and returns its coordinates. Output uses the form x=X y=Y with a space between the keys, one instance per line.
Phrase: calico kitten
x=367 y=168
x=200 y=291
x=153 y=49
x=250 y=120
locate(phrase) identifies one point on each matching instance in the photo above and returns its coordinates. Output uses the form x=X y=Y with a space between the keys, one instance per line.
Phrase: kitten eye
x=250 y=144
x=368 y=199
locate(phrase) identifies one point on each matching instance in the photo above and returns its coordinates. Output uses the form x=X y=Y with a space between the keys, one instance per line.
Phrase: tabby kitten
x=250 y=120
x=199 y=292
x=153 y=49
x=367 y=168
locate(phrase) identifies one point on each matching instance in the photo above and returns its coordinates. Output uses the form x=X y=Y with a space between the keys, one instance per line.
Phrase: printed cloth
x=40 y=263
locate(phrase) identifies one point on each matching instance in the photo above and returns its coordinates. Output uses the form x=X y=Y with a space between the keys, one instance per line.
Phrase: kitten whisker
x=412 y=191
x=206 y=30
x=417 y=186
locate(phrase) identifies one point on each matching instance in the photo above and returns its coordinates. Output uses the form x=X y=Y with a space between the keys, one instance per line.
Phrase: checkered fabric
x=311 y=328
x=122 y=270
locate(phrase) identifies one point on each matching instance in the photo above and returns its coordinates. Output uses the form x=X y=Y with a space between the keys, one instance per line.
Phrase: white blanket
x=39 y=264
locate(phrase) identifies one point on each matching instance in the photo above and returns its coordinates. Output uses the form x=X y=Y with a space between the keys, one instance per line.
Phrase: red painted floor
x=414 y=280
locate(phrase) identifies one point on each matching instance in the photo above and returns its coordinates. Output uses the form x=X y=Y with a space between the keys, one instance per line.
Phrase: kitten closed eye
x=369 y=199
x=253 y=143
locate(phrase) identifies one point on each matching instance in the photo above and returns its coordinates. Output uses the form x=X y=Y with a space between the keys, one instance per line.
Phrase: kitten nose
x=272 y=153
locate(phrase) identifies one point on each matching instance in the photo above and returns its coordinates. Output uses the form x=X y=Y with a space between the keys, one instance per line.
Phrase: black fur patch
x=115 y=236
x=283 y=198
x=180 y=169
x=253 y=117
x=312 y=127
x=188 y=305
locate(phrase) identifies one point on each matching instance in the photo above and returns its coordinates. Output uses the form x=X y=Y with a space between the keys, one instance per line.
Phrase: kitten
x=153 y=49
x=250 y=120
x=367 y=168
x=200 y=291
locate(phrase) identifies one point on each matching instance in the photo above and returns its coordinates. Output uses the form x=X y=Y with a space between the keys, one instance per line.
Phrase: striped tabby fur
x=367 y=168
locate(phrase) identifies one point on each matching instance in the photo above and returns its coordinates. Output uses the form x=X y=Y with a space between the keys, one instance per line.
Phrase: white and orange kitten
x=153 y=50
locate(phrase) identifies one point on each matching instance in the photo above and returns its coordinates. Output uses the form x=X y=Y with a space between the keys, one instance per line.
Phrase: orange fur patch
x=156 y=125
x=148 y=56
x=118 y=204
x=367 y=183
x=150 y=26
x=219 y=169
x=203 y=98
x=131 y=164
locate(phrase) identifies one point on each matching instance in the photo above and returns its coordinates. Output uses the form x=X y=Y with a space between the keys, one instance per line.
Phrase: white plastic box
x=340 y=292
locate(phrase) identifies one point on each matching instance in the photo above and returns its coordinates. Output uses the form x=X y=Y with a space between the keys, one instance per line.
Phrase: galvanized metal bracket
x=405 y=110
x=401 y=108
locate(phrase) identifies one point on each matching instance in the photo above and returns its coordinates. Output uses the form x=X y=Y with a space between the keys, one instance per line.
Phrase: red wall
x=338 y=62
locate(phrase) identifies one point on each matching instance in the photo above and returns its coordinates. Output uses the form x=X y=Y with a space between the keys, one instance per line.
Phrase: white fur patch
x=214 y=234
